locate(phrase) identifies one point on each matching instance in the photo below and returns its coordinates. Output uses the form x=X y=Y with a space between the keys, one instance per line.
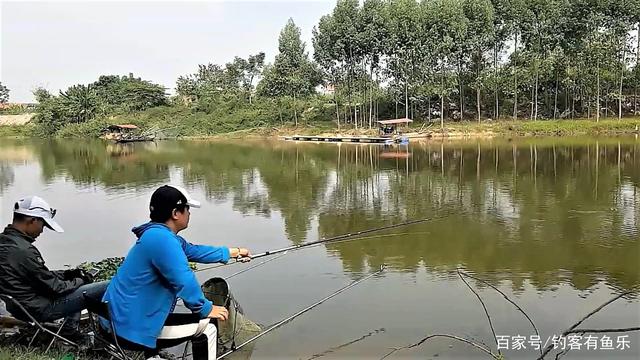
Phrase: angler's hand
x=241 y=254
x=86 y=276
x=78 y=274
x=72 y=274
x=219 y=312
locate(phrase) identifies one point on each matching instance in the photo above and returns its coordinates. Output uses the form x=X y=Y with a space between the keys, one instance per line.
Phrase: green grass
x=17 y=130
x=89 y=129
x=263 y=120
x=21 y=353
x=16 y=110
x=550 y=127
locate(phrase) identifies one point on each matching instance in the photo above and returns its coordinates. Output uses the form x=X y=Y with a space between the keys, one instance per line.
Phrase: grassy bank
x=21 y=353
x=27 y=130
x=523 y=128
x=259 y=122
x=548 y=127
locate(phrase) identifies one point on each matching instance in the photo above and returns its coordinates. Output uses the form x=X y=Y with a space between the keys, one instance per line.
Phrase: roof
x=395 y=121
x=124 y=126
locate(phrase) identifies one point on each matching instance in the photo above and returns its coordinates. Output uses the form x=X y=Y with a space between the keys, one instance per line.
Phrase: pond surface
x=553 y=223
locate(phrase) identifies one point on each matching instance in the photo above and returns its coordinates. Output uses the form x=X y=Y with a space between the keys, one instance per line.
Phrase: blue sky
x=57 y=44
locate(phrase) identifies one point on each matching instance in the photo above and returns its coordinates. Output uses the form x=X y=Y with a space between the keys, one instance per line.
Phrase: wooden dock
x=343 y=139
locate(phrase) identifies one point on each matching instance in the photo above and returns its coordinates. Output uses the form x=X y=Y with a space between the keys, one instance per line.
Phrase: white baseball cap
x=36 y=206
x=190 y=201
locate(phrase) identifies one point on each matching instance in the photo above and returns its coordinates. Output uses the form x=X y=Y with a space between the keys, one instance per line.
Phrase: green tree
x=292 y=73
x=372 y=34
x=79 y=103
x=541 y=34
x=345 y=46
x=449 y=26
x=127 y=94
x=107 y=96
x=326 y=56
x=480 y=38
x=4 y=94
x=403 y=44
x=253 y=69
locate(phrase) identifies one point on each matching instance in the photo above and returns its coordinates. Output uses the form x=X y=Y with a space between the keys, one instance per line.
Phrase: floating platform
x=347 y=139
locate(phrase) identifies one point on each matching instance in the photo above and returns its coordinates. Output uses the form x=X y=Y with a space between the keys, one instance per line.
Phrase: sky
x=55 y=44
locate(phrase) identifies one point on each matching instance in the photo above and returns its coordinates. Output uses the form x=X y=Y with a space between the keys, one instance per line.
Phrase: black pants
x=180 y=328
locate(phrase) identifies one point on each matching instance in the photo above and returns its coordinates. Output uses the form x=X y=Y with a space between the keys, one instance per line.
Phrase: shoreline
x=456 y=131
x=486 y=129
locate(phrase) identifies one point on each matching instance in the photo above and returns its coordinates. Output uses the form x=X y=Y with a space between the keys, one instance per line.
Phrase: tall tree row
x=465 y=59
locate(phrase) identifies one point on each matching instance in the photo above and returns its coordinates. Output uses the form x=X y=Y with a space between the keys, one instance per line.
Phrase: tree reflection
x=544 y=211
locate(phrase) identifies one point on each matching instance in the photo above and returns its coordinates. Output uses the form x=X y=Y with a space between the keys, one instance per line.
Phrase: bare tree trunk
x=555 y=103
x=536 y=95
x=532 y=106
x=371 y=97
x=442 y=112
x=335 y=99
x=606 y=103
x=442 y=100
x=355 y=114
x=566 y=98
x=573 y=102
x=635 y=91
x=598 y=91
x=295 y=112
x=495 y=72
x=363 y=84
x=589 y=107
x=461 y=85
x=621 y=79
x=349 y=88
x=478 y=101
x=396 y=108
x=406 y=99
x=413 y=111
x=478 y=83
x=515 y=76
x=635 y=99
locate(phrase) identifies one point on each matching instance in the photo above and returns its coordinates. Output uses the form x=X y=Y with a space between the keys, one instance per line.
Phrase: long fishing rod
x=286 y=320
x=255 y=266
x=324 y=241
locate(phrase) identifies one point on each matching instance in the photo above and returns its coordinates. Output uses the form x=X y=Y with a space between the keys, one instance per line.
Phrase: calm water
x=553 y=223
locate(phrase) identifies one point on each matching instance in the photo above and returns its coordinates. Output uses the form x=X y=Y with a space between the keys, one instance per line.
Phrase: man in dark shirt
x=47 y=295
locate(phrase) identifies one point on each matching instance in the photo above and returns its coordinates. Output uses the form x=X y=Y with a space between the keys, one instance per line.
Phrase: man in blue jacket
x=156 y=272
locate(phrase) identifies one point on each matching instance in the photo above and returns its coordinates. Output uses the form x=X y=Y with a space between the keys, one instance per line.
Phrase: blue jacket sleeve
x=169 y=259
x=205 y=254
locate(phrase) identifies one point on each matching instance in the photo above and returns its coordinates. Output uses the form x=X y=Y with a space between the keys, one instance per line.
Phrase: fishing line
x=339 y=238
x=308 y=308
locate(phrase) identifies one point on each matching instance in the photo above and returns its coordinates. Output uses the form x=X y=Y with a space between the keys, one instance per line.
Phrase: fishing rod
x=255 y=266
x=334 y=242
x=286 y=320
x=325 y=240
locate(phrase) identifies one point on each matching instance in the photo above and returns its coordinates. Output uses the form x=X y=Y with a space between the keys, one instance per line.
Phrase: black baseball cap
x=169 y=197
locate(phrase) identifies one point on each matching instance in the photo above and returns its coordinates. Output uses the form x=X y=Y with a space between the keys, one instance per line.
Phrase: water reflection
x=547 y=211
